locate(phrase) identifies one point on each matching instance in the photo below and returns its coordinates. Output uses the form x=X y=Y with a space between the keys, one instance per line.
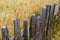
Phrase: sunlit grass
x=11 y=9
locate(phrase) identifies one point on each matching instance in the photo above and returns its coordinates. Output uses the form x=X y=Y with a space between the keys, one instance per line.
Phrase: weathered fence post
x=59 y=9
x=25 y=29
x=50 y=21
x=48 y=26
x=38 y=24
x=17 y=34
x=33 y=26
x=47 y=21
x=38 y=28
x=52 y=11
x=41 y=23
x=5 y=34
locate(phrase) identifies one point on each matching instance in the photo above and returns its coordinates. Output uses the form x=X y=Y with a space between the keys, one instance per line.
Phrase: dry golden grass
x=11 y=9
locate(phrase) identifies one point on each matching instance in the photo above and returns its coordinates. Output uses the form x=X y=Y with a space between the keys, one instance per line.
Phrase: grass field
x=11 y=9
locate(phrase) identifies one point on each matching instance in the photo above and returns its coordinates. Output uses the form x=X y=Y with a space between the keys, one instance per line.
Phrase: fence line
x=40 y=27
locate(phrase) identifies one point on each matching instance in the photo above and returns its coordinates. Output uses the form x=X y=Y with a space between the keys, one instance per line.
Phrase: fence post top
x=48 y=4
x=16 y=19
x=24 y=20
x=44 y=7
x=33 y=15
x=4 y=27
x=38 y=17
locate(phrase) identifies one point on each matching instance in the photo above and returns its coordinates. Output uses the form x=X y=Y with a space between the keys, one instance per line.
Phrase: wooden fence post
x=59 y=7
x=5 y=34
x=38 y=28
x=47 y=21
x=25 y=29
x=17 y=34
x=33 y=26
x=43 y=18
x=51 y=18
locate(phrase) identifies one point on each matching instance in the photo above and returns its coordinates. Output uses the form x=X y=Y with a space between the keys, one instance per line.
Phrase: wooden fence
x=40 y=27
